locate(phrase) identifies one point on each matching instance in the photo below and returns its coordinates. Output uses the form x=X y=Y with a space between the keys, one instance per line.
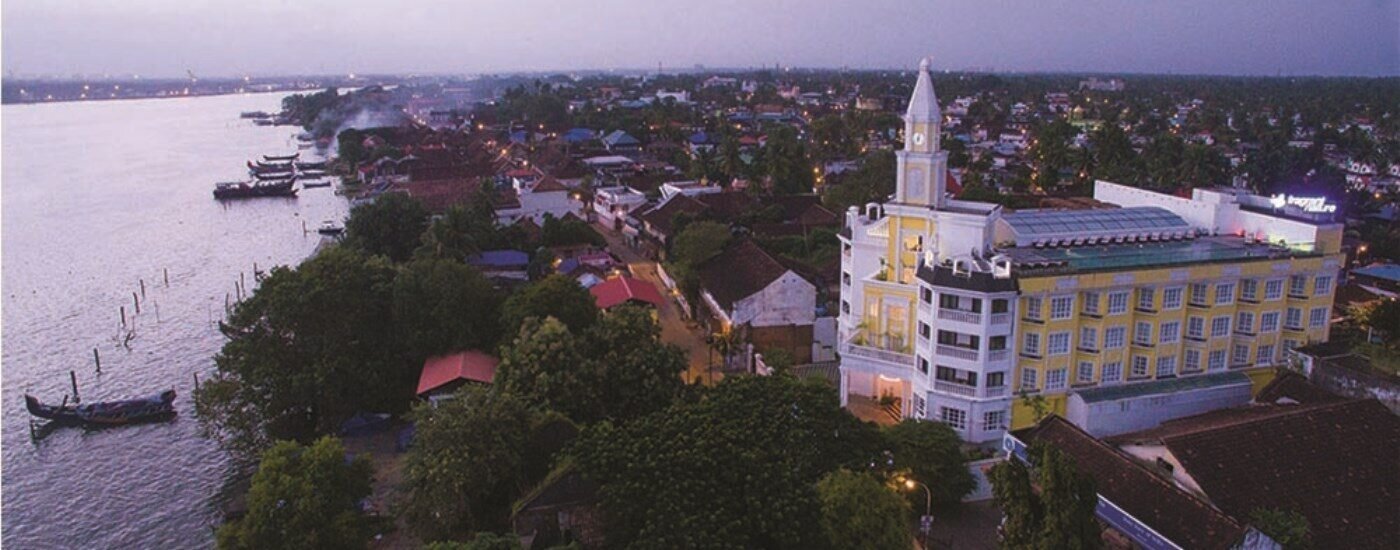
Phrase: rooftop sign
x=1308 y=204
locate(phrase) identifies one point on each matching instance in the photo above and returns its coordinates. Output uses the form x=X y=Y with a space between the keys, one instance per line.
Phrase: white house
x=547 y=196
x=612 y=204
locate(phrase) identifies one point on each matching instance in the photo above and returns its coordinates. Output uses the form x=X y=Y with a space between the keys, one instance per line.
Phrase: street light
x=925 y=522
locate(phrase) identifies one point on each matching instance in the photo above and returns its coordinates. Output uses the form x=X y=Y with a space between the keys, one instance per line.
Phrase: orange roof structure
x=467 y=366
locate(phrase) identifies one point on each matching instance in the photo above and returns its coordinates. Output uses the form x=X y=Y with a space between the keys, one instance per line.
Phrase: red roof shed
x=618 y=290
x=447 y=372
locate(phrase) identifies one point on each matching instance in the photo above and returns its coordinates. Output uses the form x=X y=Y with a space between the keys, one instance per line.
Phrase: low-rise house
x=690 y=188
x=1383 y=276
x=621 y=142
x=502 y=264
x=443 y=374
x=612 y=205
x=625 y=290
x=545 y=197
x=759 y=300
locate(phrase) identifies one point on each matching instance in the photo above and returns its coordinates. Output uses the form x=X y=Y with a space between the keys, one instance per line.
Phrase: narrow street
x=675 y=329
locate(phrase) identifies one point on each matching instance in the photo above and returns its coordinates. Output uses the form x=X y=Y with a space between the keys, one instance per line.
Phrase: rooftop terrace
x=1115 y=257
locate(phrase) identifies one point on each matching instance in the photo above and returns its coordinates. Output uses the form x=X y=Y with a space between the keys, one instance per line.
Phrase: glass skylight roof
x=1034 y=225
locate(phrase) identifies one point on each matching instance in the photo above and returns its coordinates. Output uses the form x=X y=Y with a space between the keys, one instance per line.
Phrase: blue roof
x=500 y=258
x=619 y=137
x=700 y=138
x=519 y=136
x=567 y=266
x=1389 y=272
x=575 y=135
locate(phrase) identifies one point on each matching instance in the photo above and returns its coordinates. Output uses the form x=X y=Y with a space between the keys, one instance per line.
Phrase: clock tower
x=923 y=166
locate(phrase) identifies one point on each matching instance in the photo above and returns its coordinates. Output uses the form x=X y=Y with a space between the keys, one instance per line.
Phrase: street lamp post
x=925 y=522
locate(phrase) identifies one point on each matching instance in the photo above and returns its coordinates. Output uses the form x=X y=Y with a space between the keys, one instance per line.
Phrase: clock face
x=918 y=138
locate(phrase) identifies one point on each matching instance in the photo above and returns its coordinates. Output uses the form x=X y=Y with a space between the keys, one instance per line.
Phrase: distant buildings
x=1094 y=84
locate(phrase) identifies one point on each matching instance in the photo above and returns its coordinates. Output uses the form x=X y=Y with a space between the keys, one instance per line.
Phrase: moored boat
x=316 y=183
x=160 y=406
x=244 y=189
x=281 y=158
x=329 y=227
x=311 y=165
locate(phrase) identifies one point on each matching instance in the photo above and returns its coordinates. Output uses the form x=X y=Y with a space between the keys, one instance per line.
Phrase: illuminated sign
x=1308 y=204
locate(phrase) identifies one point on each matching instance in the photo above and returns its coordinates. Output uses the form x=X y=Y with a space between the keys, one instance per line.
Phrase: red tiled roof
x=742 y=270
x=618 y=290
x=469 y=365
x=548 y=184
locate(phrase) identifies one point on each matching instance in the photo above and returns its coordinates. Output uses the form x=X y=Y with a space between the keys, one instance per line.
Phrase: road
x=675 y=329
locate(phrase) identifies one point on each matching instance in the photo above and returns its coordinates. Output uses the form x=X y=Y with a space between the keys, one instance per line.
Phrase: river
x=97 y=197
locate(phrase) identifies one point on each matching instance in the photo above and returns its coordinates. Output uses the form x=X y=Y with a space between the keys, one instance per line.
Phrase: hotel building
x=1150 y=308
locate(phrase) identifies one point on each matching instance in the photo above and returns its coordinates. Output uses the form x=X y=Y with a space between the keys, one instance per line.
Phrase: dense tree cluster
x=303 y=497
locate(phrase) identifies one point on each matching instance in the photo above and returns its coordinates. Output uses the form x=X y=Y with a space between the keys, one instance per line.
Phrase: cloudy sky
x=236 y=37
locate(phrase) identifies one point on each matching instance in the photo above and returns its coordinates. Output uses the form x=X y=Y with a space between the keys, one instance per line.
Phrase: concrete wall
x=788 y=300
x=1355 y=384
x=1106 y=418
x=795 y=339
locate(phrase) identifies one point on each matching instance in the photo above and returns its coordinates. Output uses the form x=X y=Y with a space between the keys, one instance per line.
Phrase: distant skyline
x=166 y=38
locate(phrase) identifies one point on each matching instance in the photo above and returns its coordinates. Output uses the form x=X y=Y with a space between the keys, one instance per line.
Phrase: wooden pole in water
x=73 y=377
x=97 y=359
x=137 y=302
x=123 y=310
x=167 y=276
x=196 y=381
x=143 y=289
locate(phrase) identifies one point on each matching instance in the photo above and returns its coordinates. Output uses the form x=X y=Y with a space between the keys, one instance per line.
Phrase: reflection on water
x=98 y=198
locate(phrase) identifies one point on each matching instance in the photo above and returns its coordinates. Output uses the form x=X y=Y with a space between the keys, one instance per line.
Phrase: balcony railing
x=998 y=355
x=955 y=388
x=1001 y=318
x=960 y=316
x=861 y=347
x=994 y=392
x=957 y=352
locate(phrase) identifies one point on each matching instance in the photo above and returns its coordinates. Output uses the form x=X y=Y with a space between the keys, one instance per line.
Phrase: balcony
x=954 y=388
x=998 y=355
x=960 y=316
x=879 y=348
x=956 y=352
x=1001 y=318
x=994 y=392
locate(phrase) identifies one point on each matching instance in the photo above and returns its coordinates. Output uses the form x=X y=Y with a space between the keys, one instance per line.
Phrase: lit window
x=1142 y=333
x=1031 y=344
x=1193 y=361
x=1225 y=293
x=1244 y=322
x=1322 y=285
x=1058 y=344
x=1171 y=298
x=1117 y=303
x=1317 y=318
x=1145 y=298
x=1085 y=372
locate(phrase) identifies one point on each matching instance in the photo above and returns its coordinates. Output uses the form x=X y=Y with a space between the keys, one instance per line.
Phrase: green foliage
x=736 y=469
x=462 y=232
x=860 y=513
x=1382 y=316
x=616 y=369
x=468 y=463
x=391 y=226
x=555 y=296
x=697 y=242
x=304 y=109
x=303 y=497
x=786 y=161
x=930 y=452
x=1059 y=515
x=1290 y=529
x=308 y=349
x=482 y=541
x=572 y=231
x=442 y=306
x=872 y=182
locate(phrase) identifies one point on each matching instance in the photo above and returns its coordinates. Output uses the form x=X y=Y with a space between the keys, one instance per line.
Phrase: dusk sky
x=236 y=37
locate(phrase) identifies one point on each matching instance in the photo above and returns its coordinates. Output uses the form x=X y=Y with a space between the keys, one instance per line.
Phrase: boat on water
x=255 y=114
x=160 y=406
x=312 y=173
x=245 y=189
x=329 y=227
x=311 y=165
x=315 y=183
x=281 y=158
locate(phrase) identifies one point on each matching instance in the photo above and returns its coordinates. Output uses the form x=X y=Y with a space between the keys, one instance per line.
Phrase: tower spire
x=923 y=105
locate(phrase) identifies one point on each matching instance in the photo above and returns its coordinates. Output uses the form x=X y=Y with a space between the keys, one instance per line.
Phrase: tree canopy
x=555 y=296
x=858 y=512
x=1060 y=514
x=303 y=497
x=391 y=226
x=930 y=452
x=736 y=468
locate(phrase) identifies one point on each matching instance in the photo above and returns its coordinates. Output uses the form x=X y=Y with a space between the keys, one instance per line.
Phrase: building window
x=1055 y=379
x=996 y=343
x=1289 y=344
x=1198 y=294
x=1317 y=318
x=959 y=340
x=1112 y=372
x=1091 y=303
x=1220 y=327
x=1031 y=345
x=1249 y=290
x=1224 y=294
x=1298 y=286
x=1113 y=337
x=1322 y=286
x=923 y=330
x=1085 y=372
x=1193 y=361
x=1058 y=344
x=1028 y=379
x=1241 y=355
x=1089 y=338
x=1146 y=297
x=1268 y=321
x=1244 y=322
x=1273 y=289
x=1000 y=305
x=845 y=307
x=1294 y=320
x=1170 y=332
x=1264 y=355
x=1166 y=366
x=996 y=379
x=920 y=406
x=1118 y=302
x=993 y=420
x=1061 y=307
x=1033 y=308
x=947 y=301
x=946 y=374
x=1217 y=360
x=846 y=278
x=925 y=294
x=1142 y=333
x=1139 y=366
x=923 y=365
x=954 y=418
x=1196 y=327
x=1171 y=298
